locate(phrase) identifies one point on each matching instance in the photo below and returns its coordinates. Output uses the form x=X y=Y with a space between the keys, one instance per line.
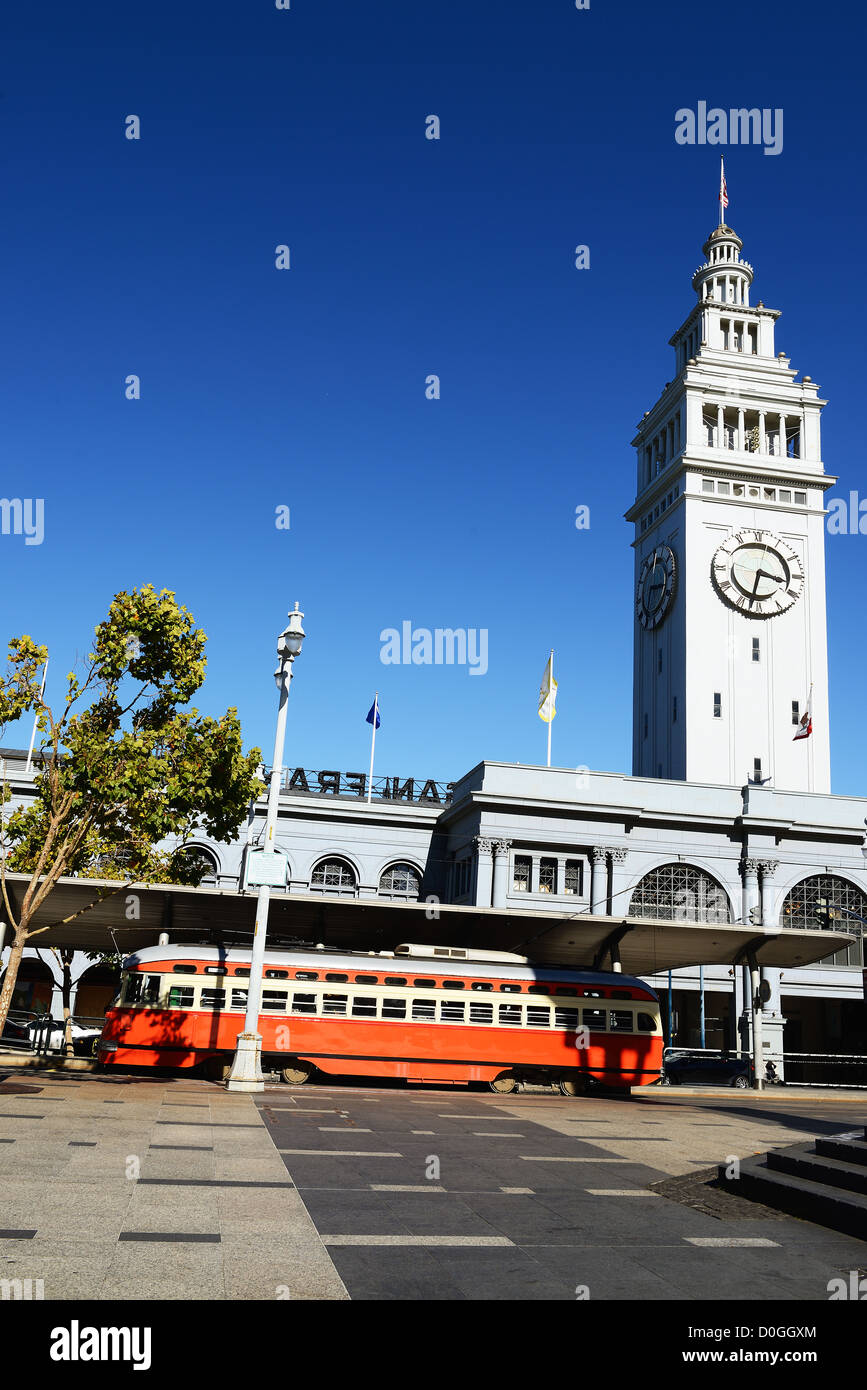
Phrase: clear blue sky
x=306 y=388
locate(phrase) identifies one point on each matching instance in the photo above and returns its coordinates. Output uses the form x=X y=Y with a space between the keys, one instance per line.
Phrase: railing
x=830 y=1070
x=43 y=1035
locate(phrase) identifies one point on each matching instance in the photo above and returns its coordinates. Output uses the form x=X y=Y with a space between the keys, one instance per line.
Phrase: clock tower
x=730 y=628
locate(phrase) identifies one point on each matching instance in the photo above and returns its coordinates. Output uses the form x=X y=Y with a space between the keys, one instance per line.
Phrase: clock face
x=758 y=573
x=656 y=584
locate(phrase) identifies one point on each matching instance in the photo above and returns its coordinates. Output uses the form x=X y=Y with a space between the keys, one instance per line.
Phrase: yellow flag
x=548 y=693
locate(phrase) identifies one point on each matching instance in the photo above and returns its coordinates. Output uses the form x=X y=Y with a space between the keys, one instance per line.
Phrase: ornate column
x=720 y=427
x=618 y=896
x=501 y=871
x=484 y=871
x=742 y=443
x=598 y=880
x=769 y=868
x=763 y=443
x=750 y=869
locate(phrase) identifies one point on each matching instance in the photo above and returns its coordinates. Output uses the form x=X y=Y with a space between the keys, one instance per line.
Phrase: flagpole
x=372 y=746
x=721 y=184
x=550 y=697
x=35 y=720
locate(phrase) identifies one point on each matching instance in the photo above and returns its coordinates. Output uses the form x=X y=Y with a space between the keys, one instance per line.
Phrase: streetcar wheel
x=216 y=1069
x=504 y=1083
x=297 y=1074
x=571 y=1086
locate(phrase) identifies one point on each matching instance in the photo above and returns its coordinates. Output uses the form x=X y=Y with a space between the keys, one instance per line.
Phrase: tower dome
x=724 y=277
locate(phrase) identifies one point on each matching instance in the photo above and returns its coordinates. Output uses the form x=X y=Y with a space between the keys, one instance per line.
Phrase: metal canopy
x=74 y=918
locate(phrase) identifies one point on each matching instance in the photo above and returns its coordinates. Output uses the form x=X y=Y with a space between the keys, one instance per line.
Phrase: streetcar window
x=303 y=1003
x=151 y=989
x=239 y=999
x=646 y=1023
x=481 y=984
x=334 y=1003
x=424 y=1008
x=452 y=1011
x=367 y=979
x=242 y=969
x=621 y=1020
x=511 y=1014
x=184 y=969
x=481 y=1013
x=568 y=1018
x=566 y=989
x=181 y=997
x=363 y=1007
x=588 y=993
x=425 y=983
x=213 y=998
x=537 y=989
x=595 y=1019
x=337 y=979
x=274 y=1000
x=276 y=974
x=620 y=994
x=510 y=989
x=538 y=1017
x=306 y=974
x=454 y=984
x=215 y=969
x=133 y=989
x=394 y=1008
x=395 y=980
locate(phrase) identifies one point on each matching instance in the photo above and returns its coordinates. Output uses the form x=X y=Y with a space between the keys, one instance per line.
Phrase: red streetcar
x=427 y=1013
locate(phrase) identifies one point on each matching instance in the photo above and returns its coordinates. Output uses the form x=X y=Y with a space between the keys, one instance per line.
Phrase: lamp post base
x=246 y=1073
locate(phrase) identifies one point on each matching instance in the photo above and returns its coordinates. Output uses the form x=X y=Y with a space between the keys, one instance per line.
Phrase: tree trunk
x=66 y=995
x=11 y=975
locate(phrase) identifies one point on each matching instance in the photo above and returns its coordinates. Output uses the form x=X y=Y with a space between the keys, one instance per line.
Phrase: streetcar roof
x=390 y=964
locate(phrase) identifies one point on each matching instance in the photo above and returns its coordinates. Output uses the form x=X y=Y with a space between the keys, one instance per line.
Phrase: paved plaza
x=117 y=1187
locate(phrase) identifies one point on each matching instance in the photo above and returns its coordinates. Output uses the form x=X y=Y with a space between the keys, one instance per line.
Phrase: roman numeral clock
x=758 y=573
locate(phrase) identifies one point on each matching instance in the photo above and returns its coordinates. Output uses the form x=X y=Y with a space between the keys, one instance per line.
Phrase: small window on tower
x=785 y=495
x=722 y=489
x=796 y=712
x=800 y=499
x=757 y=769
x=717 y=705
x=707 y=483
x=757 y=650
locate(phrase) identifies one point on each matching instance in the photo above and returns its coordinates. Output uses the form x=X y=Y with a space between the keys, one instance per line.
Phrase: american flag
x=723 y=191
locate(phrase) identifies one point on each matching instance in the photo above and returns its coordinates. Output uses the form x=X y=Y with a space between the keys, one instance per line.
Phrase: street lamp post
x=246 y=1072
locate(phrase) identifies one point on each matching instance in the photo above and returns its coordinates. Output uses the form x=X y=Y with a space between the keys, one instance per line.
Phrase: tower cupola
x=724 y=278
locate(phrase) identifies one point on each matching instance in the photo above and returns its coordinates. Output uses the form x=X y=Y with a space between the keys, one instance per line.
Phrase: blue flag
x=373 y=717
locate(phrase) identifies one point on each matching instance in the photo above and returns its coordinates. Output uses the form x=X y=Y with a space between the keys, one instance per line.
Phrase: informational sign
x=264 y=866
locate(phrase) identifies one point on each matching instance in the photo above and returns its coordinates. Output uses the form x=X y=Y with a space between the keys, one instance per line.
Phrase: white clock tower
x=730 y=630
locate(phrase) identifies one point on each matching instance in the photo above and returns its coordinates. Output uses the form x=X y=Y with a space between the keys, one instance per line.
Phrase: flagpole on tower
x=723 y=191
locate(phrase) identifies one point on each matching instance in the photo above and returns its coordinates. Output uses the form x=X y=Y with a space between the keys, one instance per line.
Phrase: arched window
x=400 y=881
x=680 y=893
x=333 y=876
x=204 y=859
x=811 y=904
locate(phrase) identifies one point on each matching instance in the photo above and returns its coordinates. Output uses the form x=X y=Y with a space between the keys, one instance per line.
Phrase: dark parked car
x=703 y=1068
x=15 y=1032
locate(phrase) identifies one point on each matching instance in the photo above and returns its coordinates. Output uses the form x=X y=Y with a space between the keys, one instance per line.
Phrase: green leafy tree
x=127 y=772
